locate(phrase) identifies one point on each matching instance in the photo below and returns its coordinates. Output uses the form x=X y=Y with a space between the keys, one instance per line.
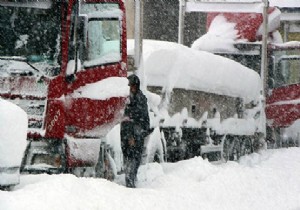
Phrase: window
x=104 y=33
x=284 y=67
x=103 y=42
x=288 y=71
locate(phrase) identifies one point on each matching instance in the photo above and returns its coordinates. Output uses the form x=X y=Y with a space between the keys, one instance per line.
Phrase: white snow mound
x=13 y=132
x=183 y=67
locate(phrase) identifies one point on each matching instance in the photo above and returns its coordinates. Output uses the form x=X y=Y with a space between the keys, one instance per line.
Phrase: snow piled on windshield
x=9 y=67
x=285 y=3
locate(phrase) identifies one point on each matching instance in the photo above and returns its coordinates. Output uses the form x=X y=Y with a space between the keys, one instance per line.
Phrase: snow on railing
x=224 y=6
x=285 y=3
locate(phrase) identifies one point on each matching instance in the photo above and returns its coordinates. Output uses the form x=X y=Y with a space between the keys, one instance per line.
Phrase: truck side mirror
x=271 y=83
x=74 y=65
x=82 y=32
x=71 y=70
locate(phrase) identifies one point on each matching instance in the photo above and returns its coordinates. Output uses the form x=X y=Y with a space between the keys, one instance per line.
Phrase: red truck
x=282 y=107
x=283 y=56
x=60 y=61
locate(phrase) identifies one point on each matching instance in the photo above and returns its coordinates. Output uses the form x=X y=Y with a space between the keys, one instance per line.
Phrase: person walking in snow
x=134 y=129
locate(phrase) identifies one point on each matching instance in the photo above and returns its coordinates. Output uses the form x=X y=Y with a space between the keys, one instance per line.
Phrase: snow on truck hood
x=104 y=89
x=171 y=65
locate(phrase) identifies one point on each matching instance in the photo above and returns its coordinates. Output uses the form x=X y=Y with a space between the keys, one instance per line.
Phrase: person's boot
x=129 y=175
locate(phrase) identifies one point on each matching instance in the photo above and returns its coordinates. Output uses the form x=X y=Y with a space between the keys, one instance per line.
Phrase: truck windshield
x=286 y=68
x=32 y=34
x=104 y=34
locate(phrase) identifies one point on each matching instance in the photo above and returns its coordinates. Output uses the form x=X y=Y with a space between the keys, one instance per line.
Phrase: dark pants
x=132 y=153
x=132 y=164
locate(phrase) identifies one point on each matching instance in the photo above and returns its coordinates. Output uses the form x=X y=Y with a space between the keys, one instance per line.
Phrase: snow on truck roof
x=236 y=5
x=171 y=65
x=285 y=3
x=253 y=6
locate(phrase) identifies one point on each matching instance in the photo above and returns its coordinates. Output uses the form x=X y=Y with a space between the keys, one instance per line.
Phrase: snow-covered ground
x=269 y=180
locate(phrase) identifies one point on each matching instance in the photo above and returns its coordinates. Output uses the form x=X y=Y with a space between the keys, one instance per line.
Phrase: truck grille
x=35 y=109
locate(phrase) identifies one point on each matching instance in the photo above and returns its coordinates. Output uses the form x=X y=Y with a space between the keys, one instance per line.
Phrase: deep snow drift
x=268 y=181
x=13 y=132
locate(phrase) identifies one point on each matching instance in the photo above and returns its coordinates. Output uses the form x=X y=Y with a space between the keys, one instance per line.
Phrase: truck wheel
x=226 y=148
x=236 y=149
x=231 y=148
x=7 y=188
x=246 y=146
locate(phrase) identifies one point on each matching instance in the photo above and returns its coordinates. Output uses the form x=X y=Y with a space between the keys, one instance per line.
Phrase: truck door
x=283 y=106
x=96 y=66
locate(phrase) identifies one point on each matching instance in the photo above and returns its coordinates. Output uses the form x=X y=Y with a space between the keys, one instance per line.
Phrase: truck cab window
x=288 y=72
x=103 y=42
x=104 y=33
x=287 y=69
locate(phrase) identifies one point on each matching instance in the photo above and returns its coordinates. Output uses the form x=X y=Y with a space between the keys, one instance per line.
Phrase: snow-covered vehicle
x=13 y=131
x=236 y=33
x=65 y=64
x=204 y=104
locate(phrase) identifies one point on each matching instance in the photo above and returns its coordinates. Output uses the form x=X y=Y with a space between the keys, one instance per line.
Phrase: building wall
x=161 y=21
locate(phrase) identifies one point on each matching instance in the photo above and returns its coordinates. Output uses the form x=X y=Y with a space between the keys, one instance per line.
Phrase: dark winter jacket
x=137 y=110
x=137 y=125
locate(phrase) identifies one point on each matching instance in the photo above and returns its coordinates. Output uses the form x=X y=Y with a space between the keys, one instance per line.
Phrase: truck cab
x=59 y=61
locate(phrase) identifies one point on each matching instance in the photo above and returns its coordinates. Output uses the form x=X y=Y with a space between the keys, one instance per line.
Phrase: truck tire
x=246 y=146
x=231 y=148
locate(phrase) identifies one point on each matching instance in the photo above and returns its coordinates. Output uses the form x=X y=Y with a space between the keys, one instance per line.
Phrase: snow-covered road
x=269 y=180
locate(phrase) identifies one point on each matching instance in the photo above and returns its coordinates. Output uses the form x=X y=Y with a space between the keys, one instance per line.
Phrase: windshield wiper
x=21 y=59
